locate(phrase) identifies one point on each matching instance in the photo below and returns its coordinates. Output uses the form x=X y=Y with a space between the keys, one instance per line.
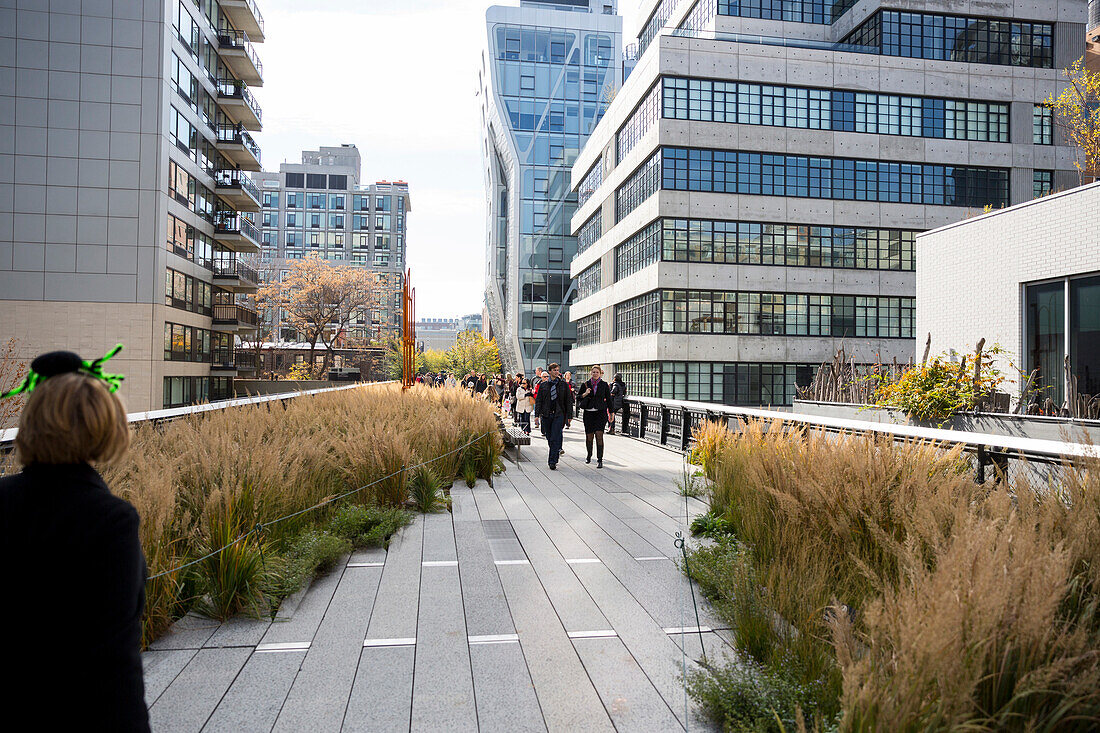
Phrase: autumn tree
x=472 y=353
x=1077 y=112
x=394 y=359
x=319 y=300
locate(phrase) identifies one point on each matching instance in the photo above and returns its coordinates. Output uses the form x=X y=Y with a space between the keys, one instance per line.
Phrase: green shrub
x=712 y=526
x=307 y=554
x=426 y=490
x=232 y=580
x=367 y=525
x=748 y=697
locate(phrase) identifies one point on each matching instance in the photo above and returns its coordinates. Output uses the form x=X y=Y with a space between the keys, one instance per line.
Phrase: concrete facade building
x=549 y=70
x=750 y=201
x=1026 y=278
x=124 y=131
x=320 y=208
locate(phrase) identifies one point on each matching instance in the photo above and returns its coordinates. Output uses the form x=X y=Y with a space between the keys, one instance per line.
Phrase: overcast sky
x=397 y=78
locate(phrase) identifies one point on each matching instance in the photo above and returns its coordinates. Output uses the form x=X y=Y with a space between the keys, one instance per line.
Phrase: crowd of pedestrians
x=547 y=401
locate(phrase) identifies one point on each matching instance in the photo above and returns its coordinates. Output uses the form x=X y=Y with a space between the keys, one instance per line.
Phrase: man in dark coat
x=554 y=406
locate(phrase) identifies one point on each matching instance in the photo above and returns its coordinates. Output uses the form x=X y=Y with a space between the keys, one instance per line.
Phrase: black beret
x=56 y=362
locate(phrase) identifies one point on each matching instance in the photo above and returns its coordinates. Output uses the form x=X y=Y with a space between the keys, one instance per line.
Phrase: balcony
x=233 y=275
x=237 y=190
x=239 y=104
x=240 y=56
x=232 y=360
x=235 y=232
x=230 y=318
x=245 y=15
x=239 y=147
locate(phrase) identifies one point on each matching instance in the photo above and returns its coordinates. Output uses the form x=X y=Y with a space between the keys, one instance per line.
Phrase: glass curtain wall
x=551 y=87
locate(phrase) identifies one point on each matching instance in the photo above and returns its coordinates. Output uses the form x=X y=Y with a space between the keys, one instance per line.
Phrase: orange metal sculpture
x=408 y=333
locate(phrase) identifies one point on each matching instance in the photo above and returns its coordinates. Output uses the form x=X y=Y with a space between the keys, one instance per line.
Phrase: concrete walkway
x=550 y=602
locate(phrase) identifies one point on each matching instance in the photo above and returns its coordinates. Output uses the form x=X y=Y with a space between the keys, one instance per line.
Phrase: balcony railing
x=231 y=39
x=246 y=359
x=233 y=313
x=231 y=222
x=237 y=89
x=232 y=178
x=236 y=268
x=232 y=9
x=237 y=135
x=223 y=359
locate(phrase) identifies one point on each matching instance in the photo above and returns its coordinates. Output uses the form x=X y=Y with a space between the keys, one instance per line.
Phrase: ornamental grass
x=202 y=481
x=876 y=586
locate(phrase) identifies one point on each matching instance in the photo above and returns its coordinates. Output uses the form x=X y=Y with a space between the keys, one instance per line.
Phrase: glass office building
x=549 y=72
x=750 y=202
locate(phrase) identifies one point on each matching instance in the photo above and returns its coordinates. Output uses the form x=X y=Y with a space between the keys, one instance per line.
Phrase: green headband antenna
x=64 y=362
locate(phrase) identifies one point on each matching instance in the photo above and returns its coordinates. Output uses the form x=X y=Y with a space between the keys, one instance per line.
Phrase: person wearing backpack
x=618 y=392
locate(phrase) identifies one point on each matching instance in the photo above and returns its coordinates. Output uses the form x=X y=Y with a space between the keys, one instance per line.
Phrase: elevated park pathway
x=551 y=601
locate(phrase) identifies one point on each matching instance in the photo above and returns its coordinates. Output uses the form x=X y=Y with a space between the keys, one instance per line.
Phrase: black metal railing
x=233 y=39
x=237 y=135
x=233 y=267
x=233 y=178
x=233 y=313
x=246 y=359
x=232 y=222
x=673 y=423
x=237 y=89
x=223 y=358
x=251 y=4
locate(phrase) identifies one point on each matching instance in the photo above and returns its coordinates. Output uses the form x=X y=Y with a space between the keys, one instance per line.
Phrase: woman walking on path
x=595 y=401
x=74 y=560
x=525 y=403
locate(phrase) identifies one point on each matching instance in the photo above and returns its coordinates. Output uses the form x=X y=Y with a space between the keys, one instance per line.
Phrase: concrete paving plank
x=310 y=610
x=439 y=538
x=193 y=695
x=574 y=607
x=630 y=699
x=368 y=554
x=483 y=599
x=394 y=614
x=255 y=698
x=320 y=692
x=463 y=504
x=239 y=631
x=443 y=688
x=160 y=668
x=568 y=700
x=488 y=505
x=190 y=632
x=506 y=701
x=381 y=697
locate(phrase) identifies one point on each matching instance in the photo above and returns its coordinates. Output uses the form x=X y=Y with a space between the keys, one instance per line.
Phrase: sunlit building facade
x=548 y=74
x=750 y=203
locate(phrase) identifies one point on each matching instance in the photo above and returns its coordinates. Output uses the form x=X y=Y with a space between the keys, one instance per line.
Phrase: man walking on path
x=554 y=405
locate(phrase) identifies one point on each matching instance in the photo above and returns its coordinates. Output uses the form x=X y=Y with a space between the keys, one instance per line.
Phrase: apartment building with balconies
x=320 y=207
x=749 y=203
x=126 y=214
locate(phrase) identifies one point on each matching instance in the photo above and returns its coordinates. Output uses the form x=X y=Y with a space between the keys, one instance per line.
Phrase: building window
x=590 y=232
x=295 y=180
x=638 y=316
x=1042 y=125
x=590 y=182
x=1042 y=183
x=1048 y=344
x=731 y=171
x=639 y=251
x=316 y=180
x=588 y=330
x=588 y=282
x=640 y=122
x=642 y=184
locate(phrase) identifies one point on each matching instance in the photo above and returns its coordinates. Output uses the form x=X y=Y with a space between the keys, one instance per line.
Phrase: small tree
x=472 y=353
x=394 y=357
x=1077 y=112
x=320 y=300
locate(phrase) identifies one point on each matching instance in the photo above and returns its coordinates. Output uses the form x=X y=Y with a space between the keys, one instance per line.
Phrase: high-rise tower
x=550 y=69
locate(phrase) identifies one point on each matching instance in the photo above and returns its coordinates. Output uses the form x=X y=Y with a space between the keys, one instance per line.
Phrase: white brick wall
x=970 y=274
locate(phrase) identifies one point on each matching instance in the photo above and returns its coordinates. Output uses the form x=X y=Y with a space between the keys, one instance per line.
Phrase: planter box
x=1025 y=426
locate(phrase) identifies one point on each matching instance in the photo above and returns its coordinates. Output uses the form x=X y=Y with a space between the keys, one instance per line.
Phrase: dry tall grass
x=908 y=596
x=199 y=480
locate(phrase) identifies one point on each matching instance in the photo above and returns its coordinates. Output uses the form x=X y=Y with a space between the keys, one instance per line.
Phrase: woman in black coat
x=73 y=560
x=595 y=401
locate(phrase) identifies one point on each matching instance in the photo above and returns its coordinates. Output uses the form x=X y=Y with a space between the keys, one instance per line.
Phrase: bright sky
x=397 y=78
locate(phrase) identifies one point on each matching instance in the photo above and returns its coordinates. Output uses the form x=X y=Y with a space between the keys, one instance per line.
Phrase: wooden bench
x=515 y=437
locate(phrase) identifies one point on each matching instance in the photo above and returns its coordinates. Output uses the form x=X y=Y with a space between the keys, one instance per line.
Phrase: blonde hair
x=72 y=418
x=597 y=367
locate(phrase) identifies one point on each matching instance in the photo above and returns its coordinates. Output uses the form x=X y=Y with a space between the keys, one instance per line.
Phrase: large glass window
x=640 y=122
x=588 y=330
x=1042 y=125
x=731 y=171
x=733 y=383
x=957 y=38
x=590 y=182
x=642 y=184
x=1046 y=339
x=1084 y=333
x=588 y=282
x=638 y=316
x=800 y=11
x=590 y=232
x=1042 y=182
x=638 y=251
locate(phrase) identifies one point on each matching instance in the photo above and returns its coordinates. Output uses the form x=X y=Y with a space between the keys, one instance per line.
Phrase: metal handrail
x=232 y=222
x=174 y=413
x=237 y=89
x=239 y=39
x=237 y=135
x=228 y=312
x=235 y=268
x=234 y=178
x=672 y=421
